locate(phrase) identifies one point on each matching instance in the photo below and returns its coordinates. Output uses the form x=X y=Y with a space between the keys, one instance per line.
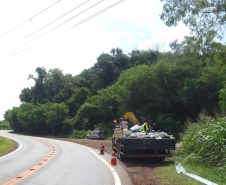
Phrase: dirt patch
x=141 y=171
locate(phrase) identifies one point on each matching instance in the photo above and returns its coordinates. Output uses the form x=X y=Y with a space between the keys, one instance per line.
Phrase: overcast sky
x=53 y=34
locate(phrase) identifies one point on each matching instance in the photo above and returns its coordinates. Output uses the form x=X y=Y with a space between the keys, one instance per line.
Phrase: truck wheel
x=119 y=155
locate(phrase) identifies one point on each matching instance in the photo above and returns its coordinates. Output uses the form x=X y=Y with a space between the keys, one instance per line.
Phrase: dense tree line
x=4 y=125
x=42 y=119
x=58 y=102
x=167 y=92
x=167 y=88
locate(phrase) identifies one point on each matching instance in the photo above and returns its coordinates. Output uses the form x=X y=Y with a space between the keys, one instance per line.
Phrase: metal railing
x=180 y=169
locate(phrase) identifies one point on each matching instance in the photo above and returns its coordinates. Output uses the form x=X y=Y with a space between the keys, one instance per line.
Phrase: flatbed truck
x=128 y=147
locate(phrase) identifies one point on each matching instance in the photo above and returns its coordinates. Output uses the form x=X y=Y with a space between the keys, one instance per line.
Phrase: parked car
x=96 y=134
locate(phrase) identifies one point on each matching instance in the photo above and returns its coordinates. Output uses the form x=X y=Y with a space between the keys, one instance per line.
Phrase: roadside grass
x=202 y=152
x=168 y=174
x=6 y=145
x=79 y=134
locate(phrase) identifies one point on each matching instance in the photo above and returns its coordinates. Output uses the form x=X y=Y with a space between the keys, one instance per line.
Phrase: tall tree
x=112 y=52
x=205 y=18
x=38 y=91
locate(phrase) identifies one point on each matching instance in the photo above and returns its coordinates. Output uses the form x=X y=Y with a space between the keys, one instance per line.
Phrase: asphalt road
x=42 y=161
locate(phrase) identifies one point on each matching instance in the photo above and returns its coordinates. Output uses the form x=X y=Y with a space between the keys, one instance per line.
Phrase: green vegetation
x=167 y=87
x=204 y=144
x=168 y=174
x=164 y=87
x=40 y=119
x=6 y=145
x=205 y=18
x=5 y=125
x=80 y=134
x=202 y=152
x=203 y=138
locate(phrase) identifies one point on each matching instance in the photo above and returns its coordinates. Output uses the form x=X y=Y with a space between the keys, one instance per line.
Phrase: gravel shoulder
x=141 y=171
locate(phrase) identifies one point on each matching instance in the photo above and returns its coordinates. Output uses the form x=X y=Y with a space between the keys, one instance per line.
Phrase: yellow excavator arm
x=131 y=117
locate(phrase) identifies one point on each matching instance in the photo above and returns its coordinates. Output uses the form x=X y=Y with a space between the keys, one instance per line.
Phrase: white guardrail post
x=180 y=169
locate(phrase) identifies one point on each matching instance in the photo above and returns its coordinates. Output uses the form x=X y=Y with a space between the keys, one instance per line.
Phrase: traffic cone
x=101 y=149
x=113 y=159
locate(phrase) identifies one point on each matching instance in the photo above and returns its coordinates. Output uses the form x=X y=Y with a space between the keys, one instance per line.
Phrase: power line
x=98 y=13
x=39 y=7
x=81 y=22
x=13 y=54
x=60 y=24
x=29 y=19
x=51 y=22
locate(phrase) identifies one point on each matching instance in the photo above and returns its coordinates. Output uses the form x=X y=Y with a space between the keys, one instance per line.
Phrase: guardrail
x=180 y=169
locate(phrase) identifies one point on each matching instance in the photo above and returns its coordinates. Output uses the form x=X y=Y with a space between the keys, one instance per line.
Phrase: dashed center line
x=34 y=168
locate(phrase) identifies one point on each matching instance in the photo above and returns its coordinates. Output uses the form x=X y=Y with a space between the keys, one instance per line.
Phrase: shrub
x=204 y=142
x=80 y=134
x=4 y=125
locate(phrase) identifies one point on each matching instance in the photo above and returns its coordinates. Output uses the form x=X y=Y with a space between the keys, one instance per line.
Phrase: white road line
x=114 y=173
x=18 y=148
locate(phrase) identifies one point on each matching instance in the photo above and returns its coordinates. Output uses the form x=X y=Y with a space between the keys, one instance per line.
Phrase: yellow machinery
x=130 y=116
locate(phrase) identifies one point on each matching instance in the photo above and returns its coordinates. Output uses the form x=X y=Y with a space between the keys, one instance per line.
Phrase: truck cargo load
x=140 y=140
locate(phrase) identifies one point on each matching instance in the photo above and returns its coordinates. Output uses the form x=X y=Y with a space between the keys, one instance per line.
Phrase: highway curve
x=42 y=161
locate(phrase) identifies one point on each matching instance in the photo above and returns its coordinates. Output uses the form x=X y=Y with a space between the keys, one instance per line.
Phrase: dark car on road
x=96 y=134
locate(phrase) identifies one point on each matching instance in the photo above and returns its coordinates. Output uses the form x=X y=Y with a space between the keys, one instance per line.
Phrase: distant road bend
x=42 y=161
